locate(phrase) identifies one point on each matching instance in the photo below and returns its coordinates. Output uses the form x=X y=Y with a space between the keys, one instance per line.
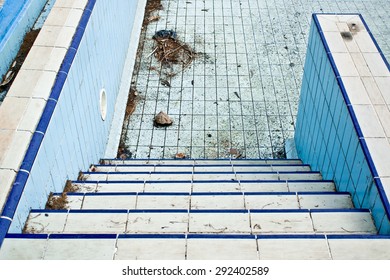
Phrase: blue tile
x=384 y=227
x=15 y=194
x=32 y=151
x=370 y=196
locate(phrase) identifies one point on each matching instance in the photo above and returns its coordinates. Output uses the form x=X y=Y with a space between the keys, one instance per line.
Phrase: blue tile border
x=151 y=236
x=36 y=141
x=59 y=236
x=371 y=164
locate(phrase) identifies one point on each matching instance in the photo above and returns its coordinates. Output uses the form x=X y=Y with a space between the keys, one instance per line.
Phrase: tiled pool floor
x=239 y=97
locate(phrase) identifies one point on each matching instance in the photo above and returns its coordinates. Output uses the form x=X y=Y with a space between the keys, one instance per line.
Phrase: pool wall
x=71 y=132
x=339 y=117
x=16 y=19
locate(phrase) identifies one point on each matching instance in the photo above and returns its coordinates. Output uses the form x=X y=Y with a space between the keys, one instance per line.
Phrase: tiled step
x=200 y=168
x=189 y=186
x=207 y=200
x=199 y=176
x=199 y=161
x=258 y=221
x=194 y=246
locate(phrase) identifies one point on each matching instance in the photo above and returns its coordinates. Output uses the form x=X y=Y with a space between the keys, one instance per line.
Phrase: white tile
x=74 y=201
x=217 y=176
x=360 y=249
x=379 y=149
x=365 y=42
x=386 y=185
x=257 y=176
x=281 y=223
x=44 y=58
x=264 y=187
x=151 y=249
x=32 y=83
x=361 y=65
x=32 y=115
x=335 y=42
x=163 y=202
x=345 y=65
x=383 y=84
x=109 y=202
x=17 y=148
x=98 y=177
x=373 y=90
x=352 y=46
x=368 y=121
x=6 y=138
x=55 y=36
x=96 y=223
x=342 y=27
x=157 y=223
x=226 y=168
x=271 y=202
x=356 y=91
x=291 y=168
x=46 y=222
x=22 y=249
x=7 y=178
x=217 y=202
x=325 y=201
x=80 y=249
x=376 y=65
x=383 y=114
x=174 y=168
x=168 y=187
x=328 y=22
x=221 y=249
x=120 y=168
x=353 y=21
x=12 y=111
x=76 y=4
x=300 y=176
x=343 y=222
x=311 y=187
x=64 y=17
x=219 y=223
x=170 y=177
x=216 y=187
x=120 y=187
x=293 y=249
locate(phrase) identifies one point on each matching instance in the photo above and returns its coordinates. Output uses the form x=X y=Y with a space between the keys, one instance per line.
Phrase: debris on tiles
x=171 y=50
x=180 y=156
x=162 y=119
x=152 y=6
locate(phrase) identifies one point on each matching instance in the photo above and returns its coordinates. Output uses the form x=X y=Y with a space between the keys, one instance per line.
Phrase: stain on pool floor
x=239 y=97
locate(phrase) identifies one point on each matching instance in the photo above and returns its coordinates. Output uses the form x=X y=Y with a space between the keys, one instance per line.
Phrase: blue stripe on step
x=221 y=236
x=291 y=236
x=27 y=235
x=340 y=210
x=357 y=236
x=152 y=236
x=279 y=211
x=81 y=236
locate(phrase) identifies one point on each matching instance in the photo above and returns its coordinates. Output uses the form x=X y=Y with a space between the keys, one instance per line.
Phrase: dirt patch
x=152 y=6
x=60 y=202
x=173 y=54
x=28 y=41
x=57 y=202
x=133 y=98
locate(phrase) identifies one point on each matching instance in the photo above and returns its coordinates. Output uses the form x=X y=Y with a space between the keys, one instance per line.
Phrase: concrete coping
x=364 y=76
x=24 y=104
